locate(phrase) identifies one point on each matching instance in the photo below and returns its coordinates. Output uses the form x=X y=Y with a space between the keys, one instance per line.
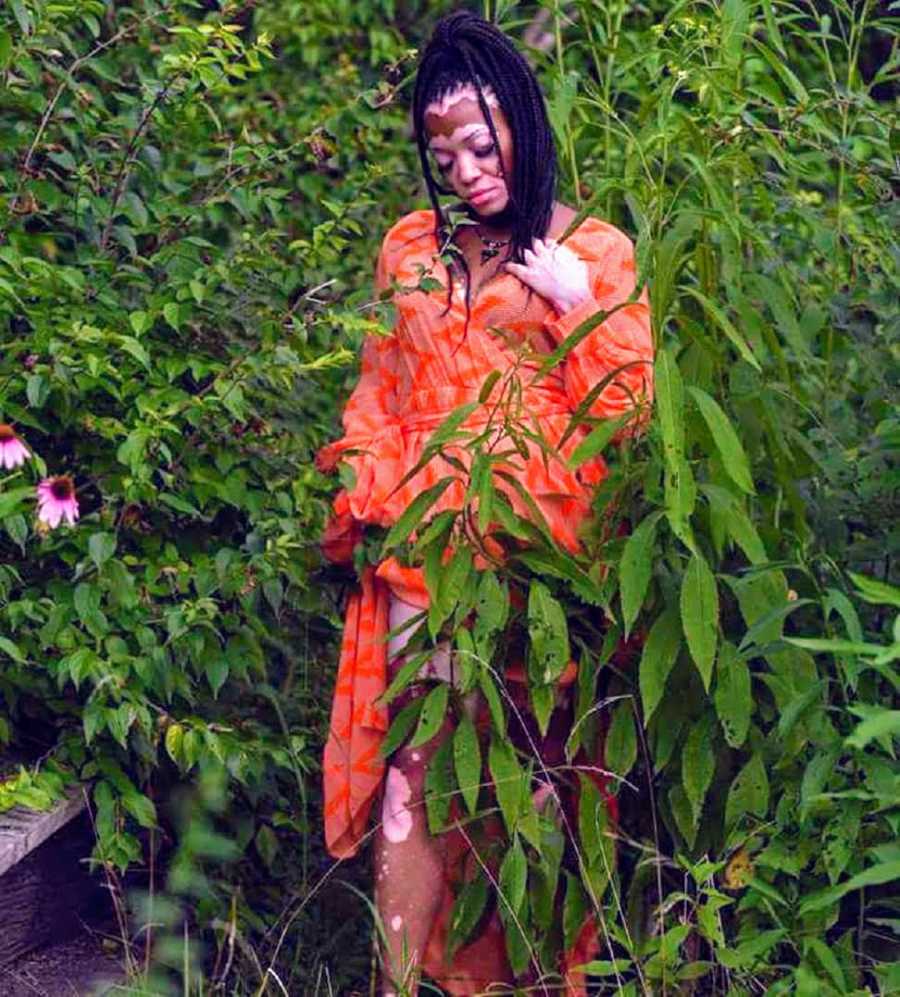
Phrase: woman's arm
x=579 y=289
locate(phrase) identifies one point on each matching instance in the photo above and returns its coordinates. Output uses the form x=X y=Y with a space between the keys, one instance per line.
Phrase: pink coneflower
x=13 y=451
x=56 y=500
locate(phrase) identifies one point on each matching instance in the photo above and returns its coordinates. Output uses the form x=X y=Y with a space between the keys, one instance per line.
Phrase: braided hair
x=466 y=49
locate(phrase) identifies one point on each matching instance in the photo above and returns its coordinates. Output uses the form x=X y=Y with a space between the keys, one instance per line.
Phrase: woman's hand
x=555 y=273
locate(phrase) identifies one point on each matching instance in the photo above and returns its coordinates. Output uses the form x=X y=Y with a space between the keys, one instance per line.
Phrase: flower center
x=7 y=433
x=62 y=488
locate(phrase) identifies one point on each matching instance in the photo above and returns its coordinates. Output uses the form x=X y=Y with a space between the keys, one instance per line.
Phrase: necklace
x=491 y=247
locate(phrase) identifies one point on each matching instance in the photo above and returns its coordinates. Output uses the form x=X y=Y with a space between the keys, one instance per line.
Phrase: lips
x=479 y=197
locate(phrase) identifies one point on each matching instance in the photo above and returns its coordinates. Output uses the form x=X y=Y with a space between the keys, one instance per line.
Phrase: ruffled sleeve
x=623 y=343
x=372 y=443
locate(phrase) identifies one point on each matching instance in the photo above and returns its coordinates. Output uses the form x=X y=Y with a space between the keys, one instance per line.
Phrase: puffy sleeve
x=372 y=441
x=623 y=344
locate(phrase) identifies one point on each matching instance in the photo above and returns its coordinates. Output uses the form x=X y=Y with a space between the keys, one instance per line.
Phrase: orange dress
x=411 y=380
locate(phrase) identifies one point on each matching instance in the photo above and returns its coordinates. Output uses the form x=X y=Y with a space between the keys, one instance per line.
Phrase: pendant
x=488 y=254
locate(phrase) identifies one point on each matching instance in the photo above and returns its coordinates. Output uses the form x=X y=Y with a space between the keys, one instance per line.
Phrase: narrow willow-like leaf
x=733 y=698
x=401 y=725
x=670 y=404
x=507 y=776
x=467 y=762
x=700 y=615
x=543 y=699
x=485 y=495
x=749 y=792
x=657 y=659
x=597 y=439
x=488 y=386
x=620 y=750
x=636 y=567
x=725 y=324
x=548 y=652
x=414 y=512
x=431 y=717
x=439 y=787
x=725 y=438
x=563 y=567
x=467 y=911
x=698 y=762
x=513 y=876
x=495 y=703
x=680 y=806
x=451 y=583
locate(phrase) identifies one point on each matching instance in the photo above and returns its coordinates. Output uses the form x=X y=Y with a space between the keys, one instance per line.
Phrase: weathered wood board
x=45 y=889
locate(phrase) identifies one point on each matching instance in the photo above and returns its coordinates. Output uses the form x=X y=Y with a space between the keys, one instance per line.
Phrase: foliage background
x=191 y=199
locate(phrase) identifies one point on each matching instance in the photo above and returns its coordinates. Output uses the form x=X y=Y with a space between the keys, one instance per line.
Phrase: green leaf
x=507 y=776
x=548 y=652
x=876 y=592
x=10 y=500
x=725 y=438
x=733 y=697
x=266 y=842
x=750 y=952
x=216 y=673
x=670 y=405
x=173 y=741
x=37 y=390
x=575 y=909
x=467 y=762
x=880 y=723
x=698 y=763
x=431 y=718
x=495 y=703
x=136 y=349
x=413 y=514
x=439 y=787
x=140 y=322
x=635 y=568
x=723 y=322
x=657 y=659
x=700 y=615
x=467 y=912
x=452 y=582
x=620 y=750
x=597 y=440
x=876 y=875
x=400 y=727
x=683 y=813
x=8 y=647
x=513 y=876
x=101 y=547
x=749 y=792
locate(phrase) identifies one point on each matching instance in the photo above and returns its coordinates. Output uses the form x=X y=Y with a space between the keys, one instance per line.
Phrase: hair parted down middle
x=466 y=49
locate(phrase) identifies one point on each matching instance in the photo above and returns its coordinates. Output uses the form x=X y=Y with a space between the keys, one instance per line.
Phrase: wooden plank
x=49 y=895
x=22 y=831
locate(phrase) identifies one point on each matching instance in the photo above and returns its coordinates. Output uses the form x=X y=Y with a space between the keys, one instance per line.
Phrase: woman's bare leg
x=409 y=862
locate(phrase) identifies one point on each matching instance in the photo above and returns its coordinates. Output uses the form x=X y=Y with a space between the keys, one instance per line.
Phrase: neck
x=499 y=226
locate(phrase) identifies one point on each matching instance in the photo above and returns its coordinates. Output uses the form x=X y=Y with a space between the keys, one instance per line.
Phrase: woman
x=513 y=293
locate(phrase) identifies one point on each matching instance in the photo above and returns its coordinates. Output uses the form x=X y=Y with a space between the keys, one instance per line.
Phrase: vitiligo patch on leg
x=396 y=922
x=396 y=819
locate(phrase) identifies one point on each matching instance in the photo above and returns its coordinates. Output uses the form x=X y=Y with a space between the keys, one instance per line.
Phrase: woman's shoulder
x=410 y=231
x=597 y=238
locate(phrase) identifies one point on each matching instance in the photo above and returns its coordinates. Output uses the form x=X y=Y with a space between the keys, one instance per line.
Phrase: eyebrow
x=475 y=133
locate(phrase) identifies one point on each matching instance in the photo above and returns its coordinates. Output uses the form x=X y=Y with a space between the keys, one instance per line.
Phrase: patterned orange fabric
x=411 y=380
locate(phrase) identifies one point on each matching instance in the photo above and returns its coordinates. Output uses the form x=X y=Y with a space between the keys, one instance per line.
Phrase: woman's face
x=460 y=142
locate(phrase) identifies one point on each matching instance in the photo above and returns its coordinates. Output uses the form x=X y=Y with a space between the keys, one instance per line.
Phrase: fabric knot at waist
x=428 y=408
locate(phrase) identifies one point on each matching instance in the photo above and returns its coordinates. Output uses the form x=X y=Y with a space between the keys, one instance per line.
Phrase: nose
x=468 y=168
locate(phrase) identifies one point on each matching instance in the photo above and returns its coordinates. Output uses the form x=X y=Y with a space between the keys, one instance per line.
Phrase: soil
x=78 y=967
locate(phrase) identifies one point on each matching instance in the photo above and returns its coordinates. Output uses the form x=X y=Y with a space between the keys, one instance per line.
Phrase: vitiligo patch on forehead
x=466 y=92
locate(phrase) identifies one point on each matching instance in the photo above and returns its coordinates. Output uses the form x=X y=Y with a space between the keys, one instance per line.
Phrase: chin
x=492 y=209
